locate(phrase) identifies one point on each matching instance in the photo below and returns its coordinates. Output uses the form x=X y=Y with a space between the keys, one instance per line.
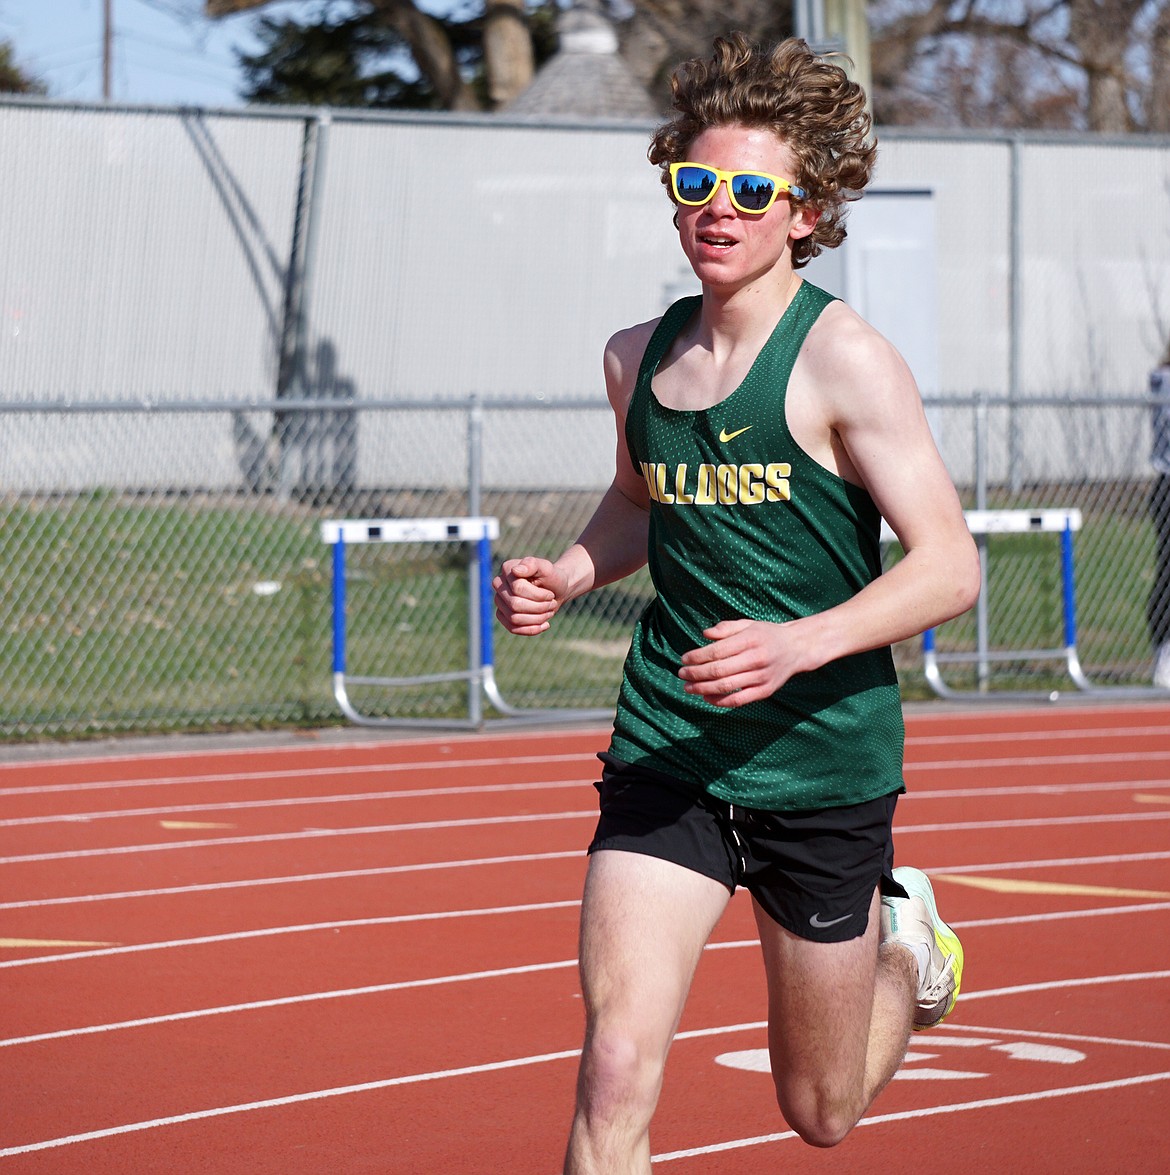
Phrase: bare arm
x=530 y=591
x=874 y=423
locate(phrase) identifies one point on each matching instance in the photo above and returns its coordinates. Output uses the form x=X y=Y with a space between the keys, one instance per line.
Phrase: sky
x=162 y=52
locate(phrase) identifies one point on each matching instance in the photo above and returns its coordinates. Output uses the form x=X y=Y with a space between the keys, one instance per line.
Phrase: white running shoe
x=914 y=921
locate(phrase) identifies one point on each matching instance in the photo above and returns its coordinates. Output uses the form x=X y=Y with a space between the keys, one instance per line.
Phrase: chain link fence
x=220 y=329
x=194 y=592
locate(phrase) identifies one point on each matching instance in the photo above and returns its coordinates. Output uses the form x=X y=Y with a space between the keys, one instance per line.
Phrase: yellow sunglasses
x=695 y=184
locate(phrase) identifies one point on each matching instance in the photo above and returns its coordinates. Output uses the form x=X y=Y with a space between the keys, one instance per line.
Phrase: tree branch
x=431 y=49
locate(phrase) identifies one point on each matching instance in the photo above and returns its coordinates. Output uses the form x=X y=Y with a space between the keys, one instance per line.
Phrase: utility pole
x=107 y=46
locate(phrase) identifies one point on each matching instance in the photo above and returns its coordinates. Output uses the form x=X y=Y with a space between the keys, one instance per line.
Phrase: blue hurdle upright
x=982 y=524
x=476 y=533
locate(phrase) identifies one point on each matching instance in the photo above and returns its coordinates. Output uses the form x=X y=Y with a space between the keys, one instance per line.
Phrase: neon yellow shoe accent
x=916 y=920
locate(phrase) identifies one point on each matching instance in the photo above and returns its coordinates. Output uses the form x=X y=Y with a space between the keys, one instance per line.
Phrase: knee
x=618 y=1078
x=823 y=1132
x=820 y=1121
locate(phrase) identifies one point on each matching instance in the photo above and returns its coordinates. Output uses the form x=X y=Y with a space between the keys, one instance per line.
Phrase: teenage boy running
x=763 y=432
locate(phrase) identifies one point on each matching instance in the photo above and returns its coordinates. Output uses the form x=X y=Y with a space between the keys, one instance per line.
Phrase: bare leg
x=644 y=923
x=839 y=1017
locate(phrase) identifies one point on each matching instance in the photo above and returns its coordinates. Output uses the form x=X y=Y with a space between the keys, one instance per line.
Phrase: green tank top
x=743 y=523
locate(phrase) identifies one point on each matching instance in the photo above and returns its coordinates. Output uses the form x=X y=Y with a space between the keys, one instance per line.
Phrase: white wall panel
x=145 y=257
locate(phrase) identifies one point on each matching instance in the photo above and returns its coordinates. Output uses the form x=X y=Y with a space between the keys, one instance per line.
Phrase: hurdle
x=476 y=534
x=982 y=524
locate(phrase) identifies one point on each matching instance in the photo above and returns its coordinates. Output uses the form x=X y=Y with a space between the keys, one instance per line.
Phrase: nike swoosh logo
x=726 y=436
x=819 y=922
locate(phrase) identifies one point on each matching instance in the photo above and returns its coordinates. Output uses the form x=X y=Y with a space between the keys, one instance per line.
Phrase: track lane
x=728 y=987
x=429 y=1118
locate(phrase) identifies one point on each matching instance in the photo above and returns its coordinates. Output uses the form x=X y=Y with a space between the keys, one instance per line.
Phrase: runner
x=763 y=431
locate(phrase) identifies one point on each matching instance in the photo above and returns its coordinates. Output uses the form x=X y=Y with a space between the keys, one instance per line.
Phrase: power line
x=49 y=57
x=190 y=69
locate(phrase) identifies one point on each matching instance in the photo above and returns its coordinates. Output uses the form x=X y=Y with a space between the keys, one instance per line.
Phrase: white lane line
x=288 y=1001
x=273 y=931
x=1071 y=1037
x=558 y=965
x=1122 y=729
x=1046 y=822
x=212 y=806
x=998 y=764
x=539 y=1059
x=296 y=801
x=461 y=765
x=290 y=1100
x=1093 y=912
x=307 y=834
x=1076 y=734
x=924 y=1112
x=201 y=777
x=341 y=750
x=1035 y=789
x=393 y=746
x=1063 y=984
x=513 y=859
x=1055 y=862
x=1038 y=822
x=301 y=878
x=730 y=944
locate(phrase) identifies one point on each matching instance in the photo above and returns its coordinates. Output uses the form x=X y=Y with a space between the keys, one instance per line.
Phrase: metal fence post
x=475 y=586
x=982 y=634
x=1015 y=311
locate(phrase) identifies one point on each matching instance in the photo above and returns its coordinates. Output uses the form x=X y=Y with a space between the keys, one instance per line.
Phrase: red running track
x=360 y=957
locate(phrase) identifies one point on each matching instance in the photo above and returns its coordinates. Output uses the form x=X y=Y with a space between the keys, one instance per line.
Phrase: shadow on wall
x=260 y=254
x=310 y=455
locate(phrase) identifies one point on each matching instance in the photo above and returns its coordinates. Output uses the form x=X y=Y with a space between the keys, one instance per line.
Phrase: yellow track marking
x=1148 y=798
x=1013 y=885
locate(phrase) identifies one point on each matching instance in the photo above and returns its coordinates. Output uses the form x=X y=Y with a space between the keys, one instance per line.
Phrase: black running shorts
x=813 y=872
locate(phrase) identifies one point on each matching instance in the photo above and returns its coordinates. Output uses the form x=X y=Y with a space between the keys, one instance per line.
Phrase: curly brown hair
x=805 y=100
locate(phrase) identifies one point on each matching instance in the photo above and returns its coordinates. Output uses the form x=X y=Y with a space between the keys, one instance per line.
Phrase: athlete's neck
x=727 y=320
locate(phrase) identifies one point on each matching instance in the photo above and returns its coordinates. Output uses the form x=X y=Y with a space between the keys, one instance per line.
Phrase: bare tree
x=509 y=61
x=654 y=34
x=507 y=46
x=431 y=49
x=1100 y=35
x=1101 y=65
x=1094 y=64
x=657 y=34
x=1158 y=107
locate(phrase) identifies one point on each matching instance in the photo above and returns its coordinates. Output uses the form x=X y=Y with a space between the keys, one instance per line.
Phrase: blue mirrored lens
x=753 y=192
x=693 y=185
